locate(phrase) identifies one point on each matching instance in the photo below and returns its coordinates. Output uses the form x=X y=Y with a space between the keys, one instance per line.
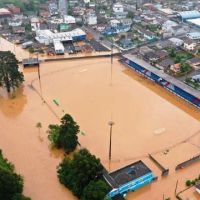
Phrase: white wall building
x=114 y=23
x=176 y=41
x=189 y=44
x=69 y=19
x=48 y=37
x=91 y=19
x=118 y=8
x=58 y=47
x=35 y=23
x=86 y=1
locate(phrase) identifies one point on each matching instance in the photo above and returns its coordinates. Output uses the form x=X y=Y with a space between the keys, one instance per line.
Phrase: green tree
x=65 y=135
x=185 y=67
x=77 y=173
x=188 y=183
x=20 y=197
x=53 y=136
x=95 y=190
x=10 y=77
x=10 y=184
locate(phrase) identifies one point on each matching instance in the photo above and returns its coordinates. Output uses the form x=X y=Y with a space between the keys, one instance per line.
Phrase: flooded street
x=148 y=119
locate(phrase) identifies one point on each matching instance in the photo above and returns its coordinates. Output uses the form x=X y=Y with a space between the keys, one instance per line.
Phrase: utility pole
x=111 y=63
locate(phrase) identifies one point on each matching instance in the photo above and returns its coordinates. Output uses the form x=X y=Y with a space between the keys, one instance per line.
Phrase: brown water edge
x=82 y=81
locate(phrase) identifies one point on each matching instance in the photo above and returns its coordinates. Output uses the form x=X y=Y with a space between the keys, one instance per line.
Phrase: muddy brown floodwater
x=148 y=119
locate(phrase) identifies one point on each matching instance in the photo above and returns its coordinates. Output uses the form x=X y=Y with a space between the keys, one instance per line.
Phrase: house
x=126 y=21
x=18 y=30
x=128 y=178
x=35 y=23
x=164 y=64
x=5 y=13
x=15 y=23
x=118 y=8
x=148 y=34
x=155 y=56
x=145 y=49
x=69 y=19
x=114 y=23
x=126 y=43
x=194 y=62
x=13 y=9
x=189 y=44
x=91 y=19
x=198 y=188
x=176 y=67
x=121 y=15
x=179 y=30
x=176 y=41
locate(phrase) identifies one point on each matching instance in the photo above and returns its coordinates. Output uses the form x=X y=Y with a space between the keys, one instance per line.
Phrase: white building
x=58 y=47
x=114 y=23
x=189 y=44
x=48 y=37
x=15 y=23
x=69 y=19
x=86 y=1
x=91 y=19
x=118 y=8
x=176 y=41
x=35 y=23
x=168 y=24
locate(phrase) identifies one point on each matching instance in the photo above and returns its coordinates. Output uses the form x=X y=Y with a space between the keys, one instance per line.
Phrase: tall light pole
x=111 y=123
x=111 y=63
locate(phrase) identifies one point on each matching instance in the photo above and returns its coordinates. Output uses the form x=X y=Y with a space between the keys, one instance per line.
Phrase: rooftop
x=129 y=173
x=189 y=14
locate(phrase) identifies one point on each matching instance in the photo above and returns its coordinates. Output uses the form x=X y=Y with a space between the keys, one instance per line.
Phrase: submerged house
x=128 y=178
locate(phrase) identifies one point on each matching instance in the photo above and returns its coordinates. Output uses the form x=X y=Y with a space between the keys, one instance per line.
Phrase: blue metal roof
x=189 y=14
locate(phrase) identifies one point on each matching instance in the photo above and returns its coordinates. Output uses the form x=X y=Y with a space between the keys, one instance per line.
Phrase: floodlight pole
x=111 y=123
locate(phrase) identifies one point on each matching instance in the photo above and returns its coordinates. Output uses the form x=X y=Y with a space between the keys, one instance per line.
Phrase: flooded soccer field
x=148 y=119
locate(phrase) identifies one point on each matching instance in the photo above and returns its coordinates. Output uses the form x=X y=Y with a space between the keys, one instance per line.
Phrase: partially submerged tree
x=11 y=184
x=65 y=135
x=77 y=173
x=10 y=77
x=95 y=190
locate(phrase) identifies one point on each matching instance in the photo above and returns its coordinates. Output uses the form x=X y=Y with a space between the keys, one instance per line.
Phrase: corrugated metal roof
x=189 y=14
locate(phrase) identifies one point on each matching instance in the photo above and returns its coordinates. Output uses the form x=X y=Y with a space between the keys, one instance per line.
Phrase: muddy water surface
x=147 y=119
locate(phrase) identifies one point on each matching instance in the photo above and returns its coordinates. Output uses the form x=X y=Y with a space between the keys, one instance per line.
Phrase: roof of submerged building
x=130 y=172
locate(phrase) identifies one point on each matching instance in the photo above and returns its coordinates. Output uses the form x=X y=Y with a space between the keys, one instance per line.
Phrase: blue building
x=129 y=178
x=189 y=15
x=173 y=85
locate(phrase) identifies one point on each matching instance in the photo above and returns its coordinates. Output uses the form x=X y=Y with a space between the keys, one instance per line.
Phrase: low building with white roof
x=69 y=19
x=48 y=37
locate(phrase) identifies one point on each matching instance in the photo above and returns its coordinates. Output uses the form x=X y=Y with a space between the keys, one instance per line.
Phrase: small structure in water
x=129 y=178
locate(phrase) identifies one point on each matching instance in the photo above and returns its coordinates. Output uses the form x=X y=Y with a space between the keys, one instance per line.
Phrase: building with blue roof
x=129 y=178
x=194 y=35
x=189 y=15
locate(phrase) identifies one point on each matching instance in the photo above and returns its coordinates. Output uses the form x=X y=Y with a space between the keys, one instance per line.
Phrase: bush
x=188 y=183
